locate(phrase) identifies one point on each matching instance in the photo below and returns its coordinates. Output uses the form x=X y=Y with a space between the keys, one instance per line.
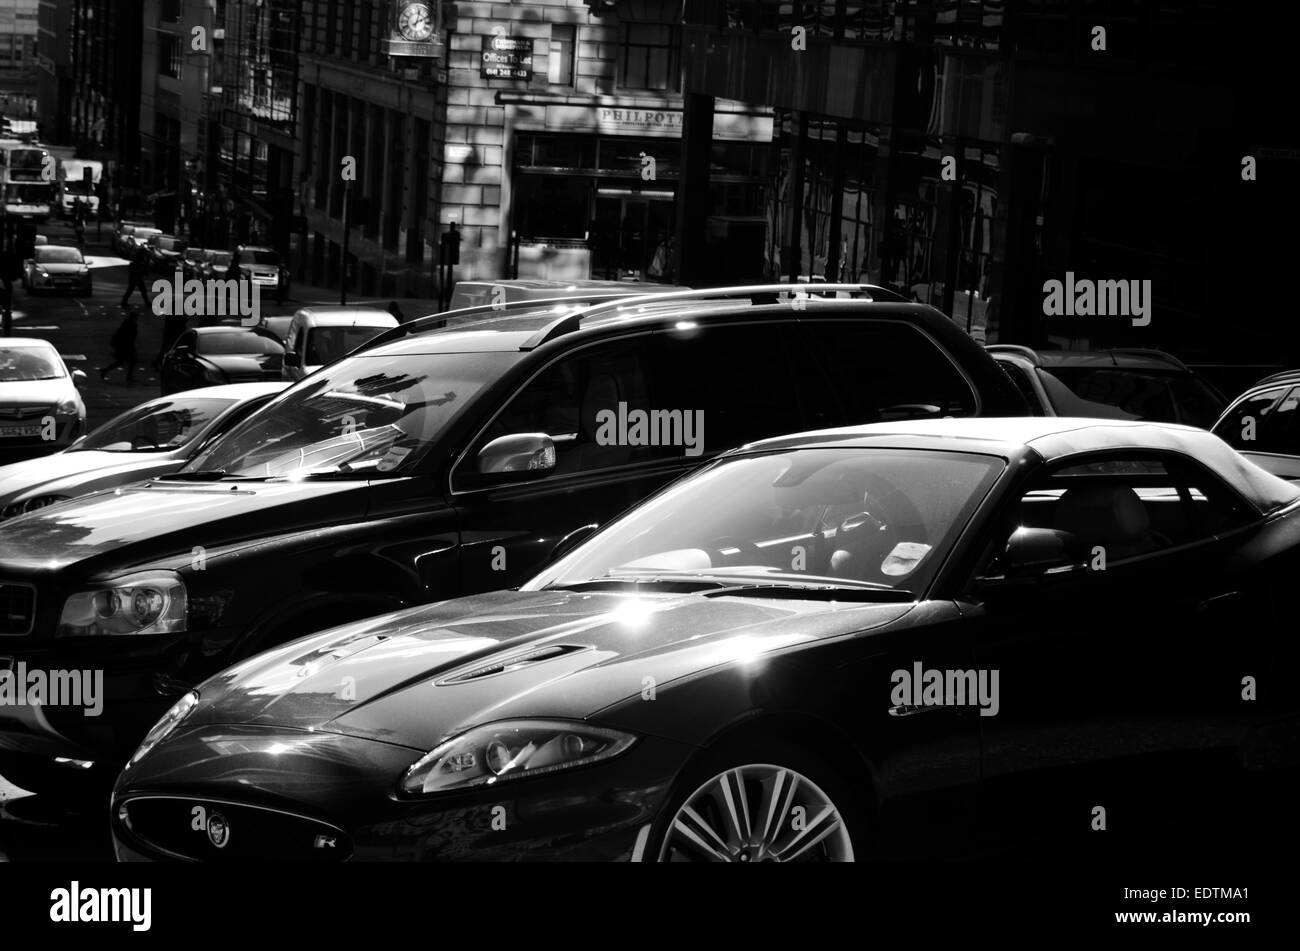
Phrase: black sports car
x=828 y=646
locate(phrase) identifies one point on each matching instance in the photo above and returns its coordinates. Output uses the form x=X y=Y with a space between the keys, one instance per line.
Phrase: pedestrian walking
x=137 y=273
x=123 y=345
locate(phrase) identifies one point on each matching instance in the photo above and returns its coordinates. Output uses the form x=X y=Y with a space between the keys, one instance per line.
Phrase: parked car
x=1261 y=424
x=1111 y=384
x=41 y=410
x=437 y=464
x=318 y=336
x=220 y=354
x=53 y=267
x=480 y=293
x=153 y=438
x=264 y=268
x=130 y=236
x=757 y=644
x=192 y=261
x=165 y=251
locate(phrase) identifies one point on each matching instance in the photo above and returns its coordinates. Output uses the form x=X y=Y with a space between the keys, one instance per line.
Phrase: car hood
x=33 y=393
x=66 y=470
x=245 y=363
x=416 y=677
x=140 y=522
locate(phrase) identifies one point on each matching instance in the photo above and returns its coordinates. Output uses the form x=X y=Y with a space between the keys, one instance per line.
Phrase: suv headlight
x=152 y=602
x=511 y=749
x=164 y=727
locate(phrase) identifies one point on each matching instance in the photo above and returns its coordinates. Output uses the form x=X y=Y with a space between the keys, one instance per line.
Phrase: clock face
x=415 y=22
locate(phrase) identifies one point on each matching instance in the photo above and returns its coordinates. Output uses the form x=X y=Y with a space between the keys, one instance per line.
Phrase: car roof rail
x=756 y=293
x=439 y=320
x=1150 y=352
x=1017 y=349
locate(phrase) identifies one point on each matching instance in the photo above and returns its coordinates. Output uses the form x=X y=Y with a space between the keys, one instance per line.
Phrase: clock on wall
x=415 y=21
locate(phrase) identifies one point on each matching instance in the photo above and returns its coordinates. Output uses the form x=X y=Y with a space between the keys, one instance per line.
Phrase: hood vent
x=513 y=663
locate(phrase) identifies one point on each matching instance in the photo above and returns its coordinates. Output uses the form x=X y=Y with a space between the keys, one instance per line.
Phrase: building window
x=348 y=25
x=171 y=10
x=169 y=55
x=563 y=46
x=650 y=57
x=331 y=34
x=364 y=51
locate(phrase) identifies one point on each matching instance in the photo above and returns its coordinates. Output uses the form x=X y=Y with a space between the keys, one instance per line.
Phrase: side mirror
x=79 y=378
x=518 y=455
x=292 y=359
x=1033 y=551
x=572 y=540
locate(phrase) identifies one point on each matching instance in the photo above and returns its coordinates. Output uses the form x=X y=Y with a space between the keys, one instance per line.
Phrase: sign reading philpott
x=507 y=57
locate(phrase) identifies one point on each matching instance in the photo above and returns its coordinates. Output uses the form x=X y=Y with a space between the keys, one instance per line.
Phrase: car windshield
x=327 y=344
x=365 y=417
x=156 y=427
x=237 y=340
x=880 y=519
x=1128 y=393
x=49 y=255
x=259 y=257
x=19 y=364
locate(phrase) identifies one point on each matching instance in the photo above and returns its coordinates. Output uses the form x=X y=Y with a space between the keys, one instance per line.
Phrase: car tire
x=760 y=768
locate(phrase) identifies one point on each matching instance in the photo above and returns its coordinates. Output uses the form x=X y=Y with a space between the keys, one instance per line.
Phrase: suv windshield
x=259 y=257
x=848 y=517
x=155 y=427
x=19 y=364
x=327 y=344
x=367 y=417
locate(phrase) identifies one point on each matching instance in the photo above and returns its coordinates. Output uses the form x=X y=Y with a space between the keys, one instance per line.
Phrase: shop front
x=594 y=187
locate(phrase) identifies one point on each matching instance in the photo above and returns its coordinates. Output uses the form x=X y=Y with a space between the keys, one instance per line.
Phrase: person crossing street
x=136 y=276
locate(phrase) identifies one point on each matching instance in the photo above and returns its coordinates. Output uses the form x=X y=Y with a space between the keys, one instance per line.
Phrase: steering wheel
x=749 y=552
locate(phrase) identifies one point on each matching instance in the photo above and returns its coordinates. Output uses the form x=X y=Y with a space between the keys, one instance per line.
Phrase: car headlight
x=164 y=727
x=40 y=501
x=511 y=749
x=152 y=602
x=67 y=407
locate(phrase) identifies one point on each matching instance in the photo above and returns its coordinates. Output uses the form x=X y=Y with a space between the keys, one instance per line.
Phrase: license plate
x=18 y=432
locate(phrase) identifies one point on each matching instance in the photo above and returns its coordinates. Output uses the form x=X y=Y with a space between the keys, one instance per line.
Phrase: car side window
x=576 y=401
x=1117 y=508
x=887 y=370
x=1264 y=422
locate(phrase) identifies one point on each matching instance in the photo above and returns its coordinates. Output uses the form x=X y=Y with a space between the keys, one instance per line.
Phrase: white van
x=318 y=336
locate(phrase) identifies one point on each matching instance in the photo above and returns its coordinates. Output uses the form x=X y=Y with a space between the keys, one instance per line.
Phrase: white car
x=264 y=268
x=318 y=336
x=57 y=268
x=153 y=439
x=41 y=410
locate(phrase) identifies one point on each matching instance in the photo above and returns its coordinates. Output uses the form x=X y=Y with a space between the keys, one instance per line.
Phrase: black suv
x=1111 y=384
x=434 y=463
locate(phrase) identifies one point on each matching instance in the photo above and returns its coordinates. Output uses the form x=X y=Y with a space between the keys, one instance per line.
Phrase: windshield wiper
x=198 y=475
x=685 y=585
x=796 y=592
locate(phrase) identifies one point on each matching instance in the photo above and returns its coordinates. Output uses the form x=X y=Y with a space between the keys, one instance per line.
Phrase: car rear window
x=237 y=341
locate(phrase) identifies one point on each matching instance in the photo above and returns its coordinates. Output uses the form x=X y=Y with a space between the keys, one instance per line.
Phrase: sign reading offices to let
x=507 y=57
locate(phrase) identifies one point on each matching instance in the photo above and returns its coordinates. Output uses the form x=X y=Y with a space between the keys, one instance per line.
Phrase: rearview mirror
x=520 y=454
x=79 y=377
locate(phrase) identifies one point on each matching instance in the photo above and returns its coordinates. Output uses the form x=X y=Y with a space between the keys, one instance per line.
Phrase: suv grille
x=17 y=608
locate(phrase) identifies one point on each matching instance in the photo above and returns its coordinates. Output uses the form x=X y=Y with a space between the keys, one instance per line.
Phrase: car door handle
x=1218 y=601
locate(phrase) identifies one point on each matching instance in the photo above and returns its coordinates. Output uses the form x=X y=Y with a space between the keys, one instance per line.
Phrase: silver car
x=41 y=410
x=57 y=268
x=152 y=439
